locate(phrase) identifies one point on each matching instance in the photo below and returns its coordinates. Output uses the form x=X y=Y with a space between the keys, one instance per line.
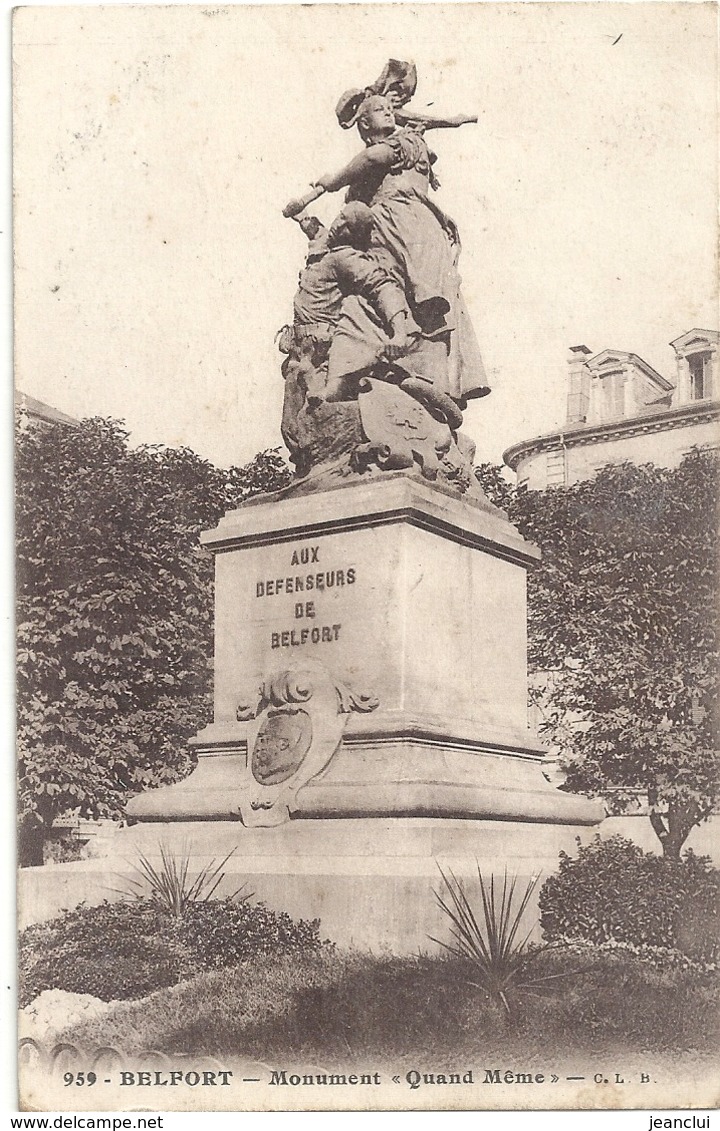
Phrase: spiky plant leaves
x=168 y=884
x=490 y=942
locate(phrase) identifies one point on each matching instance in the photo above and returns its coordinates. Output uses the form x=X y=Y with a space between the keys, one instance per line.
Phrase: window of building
x=613 y=399
x=699 y=365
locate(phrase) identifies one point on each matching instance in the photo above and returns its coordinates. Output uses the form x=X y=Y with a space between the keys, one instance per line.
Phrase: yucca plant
x=169 y=886
x=494 y=945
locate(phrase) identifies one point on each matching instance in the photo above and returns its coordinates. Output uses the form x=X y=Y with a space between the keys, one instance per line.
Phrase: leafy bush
x=620 y=611
x=223 y=932
x=126 y=950
x=666 y=959
x=614 y=891
x=114 y=614
x=114 y=951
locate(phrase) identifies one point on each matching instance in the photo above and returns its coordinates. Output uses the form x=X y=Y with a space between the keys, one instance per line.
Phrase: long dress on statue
x=419 y=245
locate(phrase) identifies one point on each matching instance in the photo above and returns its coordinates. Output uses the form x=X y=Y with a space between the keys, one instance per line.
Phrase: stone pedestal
x=370 y=717
x=370 y=661
x=370 y=881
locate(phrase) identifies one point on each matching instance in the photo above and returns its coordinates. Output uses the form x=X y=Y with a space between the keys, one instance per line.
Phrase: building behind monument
x=619 y=408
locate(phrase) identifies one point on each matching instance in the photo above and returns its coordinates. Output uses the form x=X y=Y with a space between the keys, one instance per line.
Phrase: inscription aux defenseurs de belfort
x=318 y=582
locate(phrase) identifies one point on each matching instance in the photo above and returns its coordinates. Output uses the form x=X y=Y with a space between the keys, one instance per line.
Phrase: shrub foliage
x=127 y=949
x=623 y=633
x=114 y=614
x=224 y=932
x=113 y=951
x=616 y=892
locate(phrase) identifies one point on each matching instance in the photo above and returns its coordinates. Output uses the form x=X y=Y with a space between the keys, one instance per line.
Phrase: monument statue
x=333 y=337
x=425 y=346
x=370 y=631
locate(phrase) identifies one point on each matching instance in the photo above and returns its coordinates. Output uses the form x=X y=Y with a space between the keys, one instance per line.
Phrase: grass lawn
x=334 y=1006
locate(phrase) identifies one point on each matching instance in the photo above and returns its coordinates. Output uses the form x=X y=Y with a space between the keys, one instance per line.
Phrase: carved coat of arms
x=295 y=722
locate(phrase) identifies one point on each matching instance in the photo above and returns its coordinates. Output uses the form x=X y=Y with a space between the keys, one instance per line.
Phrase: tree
x=500 y=491
x=622 y=621
x=114 y=610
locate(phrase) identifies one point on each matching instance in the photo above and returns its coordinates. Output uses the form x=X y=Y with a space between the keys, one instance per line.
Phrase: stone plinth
x=328 y=847
x=392 y=588
x=370 y=881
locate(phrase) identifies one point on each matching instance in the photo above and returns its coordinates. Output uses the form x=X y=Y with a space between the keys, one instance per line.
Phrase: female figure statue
x=416 y=242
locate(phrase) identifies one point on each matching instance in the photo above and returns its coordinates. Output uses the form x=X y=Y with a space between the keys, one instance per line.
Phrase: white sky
x=156 y=147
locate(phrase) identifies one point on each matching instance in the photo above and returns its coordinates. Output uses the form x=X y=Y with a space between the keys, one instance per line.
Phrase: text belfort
x=297 y=584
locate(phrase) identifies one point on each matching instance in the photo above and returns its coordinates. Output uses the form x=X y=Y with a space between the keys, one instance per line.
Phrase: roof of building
x=38 y=410
x=622 y=357
x=653 y=419
x=656 y=414
x=701 y=336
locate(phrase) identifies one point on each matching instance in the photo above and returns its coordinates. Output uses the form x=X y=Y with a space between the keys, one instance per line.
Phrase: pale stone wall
x=665 y=448
x=369 y=881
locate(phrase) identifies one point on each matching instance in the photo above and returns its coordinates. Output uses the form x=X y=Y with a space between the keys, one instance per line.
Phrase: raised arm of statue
x=433 y=121
x=397 y=84
x=299 y=203
x=379 y=156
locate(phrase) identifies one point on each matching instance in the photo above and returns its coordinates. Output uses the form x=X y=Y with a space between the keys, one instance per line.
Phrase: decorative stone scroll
x=295 y=723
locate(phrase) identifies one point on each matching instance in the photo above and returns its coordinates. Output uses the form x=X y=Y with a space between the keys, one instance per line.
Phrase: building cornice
x=696 y=412
x=703 y=338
